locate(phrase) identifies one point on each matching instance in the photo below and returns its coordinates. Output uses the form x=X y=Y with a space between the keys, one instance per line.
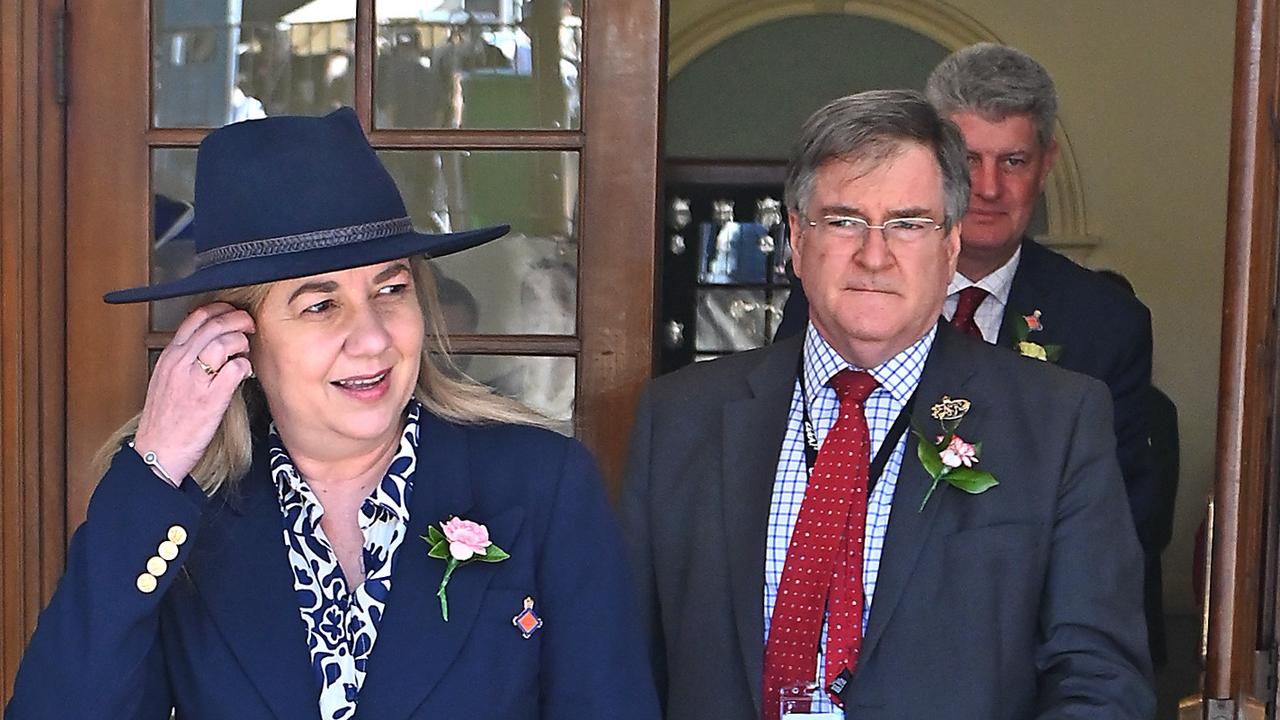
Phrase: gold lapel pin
x=948 y=410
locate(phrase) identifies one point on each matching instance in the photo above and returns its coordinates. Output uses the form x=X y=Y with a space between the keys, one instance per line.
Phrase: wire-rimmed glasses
x=897 y=230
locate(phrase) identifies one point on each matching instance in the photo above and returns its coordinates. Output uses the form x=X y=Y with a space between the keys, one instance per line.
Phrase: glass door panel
x=545 y=384
x=731 y=320
x=498 y=64
x=218 y=62
x=495 y=64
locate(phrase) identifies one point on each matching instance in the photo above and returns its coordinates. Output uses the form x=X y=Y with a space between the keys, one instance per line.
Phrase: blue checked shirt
x=898 y=377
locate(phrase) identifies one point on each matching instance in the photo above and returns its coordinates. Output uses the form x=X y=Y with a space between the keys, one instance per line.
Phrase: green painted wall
x=746 y=97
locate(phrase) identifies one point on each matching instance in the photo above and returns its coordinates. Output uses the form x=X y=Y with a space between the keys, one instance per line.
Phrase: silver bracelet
x=153 y=462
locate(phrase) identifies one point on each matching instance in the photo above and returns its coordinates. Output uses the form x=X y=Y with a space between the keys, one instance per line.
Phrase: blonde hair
x=442 y=388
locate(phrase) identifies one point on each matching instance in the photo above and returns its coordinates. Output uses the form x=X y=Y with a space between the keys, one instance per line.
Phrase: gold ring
x=208 y=370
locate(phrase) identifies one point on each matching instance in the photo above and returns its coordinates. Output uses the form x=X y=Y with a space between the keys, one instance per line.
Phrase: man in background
x=1006 y=106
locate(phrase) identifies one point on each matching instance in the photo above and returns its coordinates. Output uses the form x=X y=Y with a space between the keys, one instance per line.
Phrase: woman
x=309 y=518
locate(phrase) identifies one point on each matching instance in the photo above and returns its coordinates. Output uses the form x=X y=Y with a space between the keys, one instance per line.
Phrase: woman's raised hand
x=192 y=384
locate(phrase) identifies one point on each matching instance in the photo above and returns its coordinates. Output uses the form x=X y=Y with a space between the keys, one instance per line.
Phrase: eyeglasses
x=897 y=230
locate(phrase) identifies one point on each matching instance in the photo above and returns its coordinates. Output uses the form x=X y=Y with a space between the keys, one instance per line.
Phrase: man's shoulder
x=1024 y=380
x=1082 y=292
x=727 y=377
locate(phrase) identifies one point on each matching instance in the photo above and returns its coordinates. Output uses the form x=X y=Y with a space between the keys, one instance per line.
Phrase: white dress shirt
x=990 y=312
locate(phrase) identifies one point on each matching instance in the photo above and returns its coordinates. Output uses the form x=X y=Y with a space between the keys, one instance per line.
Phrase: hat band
x=314 y=240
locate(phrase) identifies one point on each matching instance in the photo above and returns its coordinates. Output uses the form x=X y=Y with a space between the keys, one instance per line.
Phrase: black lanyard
x=886 y=448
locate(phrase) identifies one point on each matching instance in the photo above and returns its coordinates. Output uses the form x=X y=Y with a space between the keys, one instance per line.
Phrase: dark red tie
x=823 y=569
x=967 y=304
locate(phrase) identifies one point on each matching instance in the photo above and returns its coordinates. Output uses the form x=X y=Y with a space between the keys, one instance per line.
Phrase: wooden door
x=31 y=321
x=539 y=113
x=1239 y=645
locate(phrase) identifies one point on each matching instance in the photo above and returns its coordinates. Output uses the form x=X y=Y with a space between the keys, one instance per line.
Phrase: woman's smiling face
x=338 y=355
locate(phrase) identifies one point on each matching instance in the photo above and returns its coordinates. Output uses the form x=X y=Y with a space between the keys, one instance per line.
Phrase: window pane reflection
x=439 y=63
x=731 y=320
x=215 y=63
x=497 y=64
x=173 y=177
x=545 y=384
x=732 y=252
x=524 y=283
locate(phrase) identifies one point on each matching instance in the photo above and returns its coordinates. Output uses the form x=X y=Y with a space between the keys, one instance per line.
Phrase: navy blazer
x=221 y=636
x=1022 y=602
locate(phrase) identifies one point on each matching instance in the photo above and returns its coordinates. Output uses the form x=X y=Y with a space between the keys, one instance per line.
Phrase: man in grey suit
x=883 y=517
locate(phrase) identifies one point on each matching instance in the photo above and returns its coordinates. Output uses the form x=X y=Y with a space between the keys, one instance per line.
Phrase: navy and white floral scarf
x=342 y=626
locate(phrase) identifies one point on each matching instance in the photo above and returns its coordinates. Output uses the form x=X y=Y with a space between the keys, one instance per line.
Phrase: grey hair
x=995 y=81
x=874 y=126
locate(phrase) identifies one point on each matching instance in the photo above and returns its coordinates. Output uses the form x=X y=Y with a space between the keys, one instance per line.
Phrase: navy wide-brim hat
x=286 y=197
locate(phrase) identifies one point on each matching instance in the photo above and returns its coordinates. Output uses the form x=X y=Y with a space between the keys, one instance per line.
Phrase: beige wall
x=1146 y=106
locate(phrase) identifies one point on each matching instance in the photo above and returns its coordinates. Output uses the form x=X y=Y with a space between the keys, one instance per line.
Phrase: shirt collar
x=899 y=375
x=390 y=495
x=998 y=283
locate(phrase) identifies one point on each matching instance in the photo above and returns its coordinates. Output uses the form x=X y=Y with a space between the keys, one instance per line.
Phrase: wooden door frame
x=32 y=369
x=623 y=90
x=1247 y=387
x=99 y=365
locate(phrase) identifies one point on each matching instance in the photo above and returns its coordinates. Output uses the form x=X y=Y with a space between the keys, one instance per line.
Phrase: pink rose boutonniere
x=458 y=542
x=948 y=457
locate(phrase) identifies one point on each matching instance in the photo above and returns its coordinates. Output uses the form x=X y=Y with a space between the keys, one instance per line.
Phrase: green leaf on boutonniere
x=493 y=553
x=439 y=550
x=970 y=480
x=434 y=536
x=928 y=455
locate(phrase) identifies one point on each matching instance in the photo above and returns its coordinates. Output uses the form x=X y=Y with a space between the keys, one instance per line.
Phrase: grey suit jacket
x=1022 y=602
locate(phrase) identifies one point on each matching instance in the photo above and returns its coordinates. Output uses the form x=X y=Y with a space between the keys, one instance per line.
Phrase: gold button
x=167 y=550
x=156 y=566
x=147 y=583
x=177 y=535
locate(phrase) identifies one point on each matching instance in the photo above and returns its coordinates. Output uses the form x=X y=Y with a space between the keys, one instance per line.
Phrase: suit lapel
x=415 y=646
x=1027 y=293
x=753 y=429
x=240 y=569
x=946 y=372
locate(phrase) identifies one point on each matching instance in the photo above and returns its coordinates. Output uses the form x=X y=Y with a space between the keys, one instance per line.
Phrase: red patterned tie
x=966 y=305
x=823 y=569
